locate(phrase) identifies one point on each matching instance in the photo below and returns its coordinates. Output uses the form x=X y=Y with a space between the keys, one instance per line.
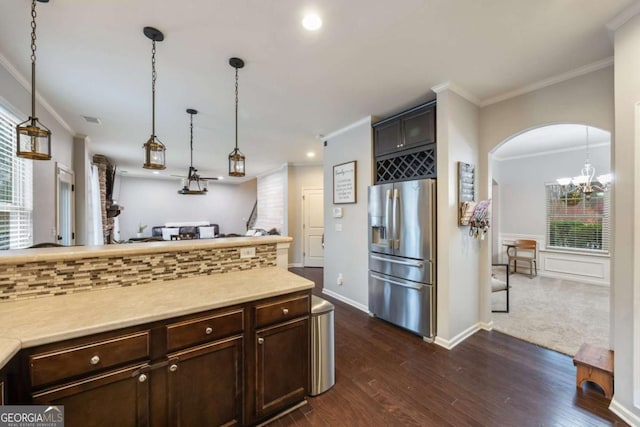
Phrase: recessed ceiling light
x=311 y=154
x=312 y=22
x=156 y=172
x=220 y=178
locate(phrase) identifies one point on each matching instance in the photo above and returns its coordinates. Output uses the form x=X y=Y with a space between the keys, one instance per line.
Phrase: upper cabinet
x=406 y=130
x=405 y=145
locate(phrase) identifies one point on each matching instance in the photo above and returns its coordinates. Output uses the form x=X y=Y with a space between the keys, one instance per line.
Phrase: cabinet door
x=387 y=138
x=116 y=398
x=419 y=128
x=282 y=365
x=205 y=385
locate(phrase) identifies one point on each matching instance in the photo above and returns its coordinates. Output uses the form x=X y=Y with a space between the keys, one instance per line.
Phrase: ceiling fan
x=193 y=184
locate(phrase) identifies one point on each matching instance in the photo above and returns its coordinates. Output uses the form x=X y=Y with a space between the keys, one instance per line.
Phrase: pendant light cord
x=33 y=59
x=191 y=143
x=154 y=75
x=236 y=109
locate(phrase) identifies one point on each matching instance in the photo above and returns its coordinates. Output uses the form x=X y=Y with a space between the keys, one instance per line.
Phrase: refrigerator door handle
x=403 y=284
x=396 y=226
x=387 y=214
x=409 y=263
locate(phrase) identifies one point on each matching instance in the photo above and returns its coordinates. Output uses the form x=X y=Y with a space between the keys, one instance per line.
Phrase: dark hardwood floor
x=387 y=377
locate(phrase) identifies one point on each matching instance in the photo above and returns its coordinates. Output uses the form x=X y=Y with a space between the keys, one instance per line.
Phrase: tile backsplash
x=48 y=278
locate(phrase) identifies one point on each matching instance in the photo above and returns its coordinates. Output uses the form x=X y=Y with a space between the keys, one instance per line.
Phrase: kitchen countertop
x=76 y=252
x=28 y=323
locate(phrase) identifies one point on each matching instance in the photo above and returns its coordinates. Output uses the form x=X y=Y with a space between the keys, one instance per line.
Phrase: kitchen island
x=211 y=349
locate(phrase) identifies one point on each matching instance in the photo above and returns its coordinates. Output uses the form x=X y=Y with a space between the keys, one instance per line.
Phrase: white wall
x=153 y=202
x=626 y=208
x=586 y=99
x=300 y=177
x=457 y=258
x=522 y=185
x=17 y=99
x=272 y=195
x=346 y=251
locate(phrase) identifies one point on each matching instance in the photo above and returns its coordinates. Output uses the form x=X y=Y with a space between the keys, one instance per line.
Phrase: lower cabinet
x=282 y=366
x=231 y=366
x=117 y=398
x=205 y=385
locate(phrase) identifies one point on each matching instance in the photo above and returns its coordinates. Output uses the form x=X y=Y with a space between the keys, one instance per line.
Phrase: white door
x=313 y=227
x=65 y=221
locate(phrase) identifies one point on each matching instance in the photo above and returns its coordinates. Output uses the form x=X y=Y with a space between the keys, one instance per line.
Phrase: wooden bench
x=595 y=364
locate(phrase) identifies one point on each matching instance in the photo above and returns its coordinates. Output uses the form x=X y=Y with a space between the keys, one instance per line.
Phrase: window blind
x=16 y=189
x=577 y=222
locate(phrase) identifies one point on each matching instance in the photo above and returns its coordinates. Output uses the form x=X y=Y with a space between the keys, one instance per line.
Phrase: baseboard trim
x=487 y=326
x=346 y=300
x=624 y=413
x=295 y=265
x=449 y=344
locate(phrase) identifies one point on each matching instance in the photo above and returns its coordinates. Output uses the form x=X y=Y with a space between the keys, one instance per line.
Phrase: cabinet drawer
x=204 y=329
x=57 y=365
x=281 y=310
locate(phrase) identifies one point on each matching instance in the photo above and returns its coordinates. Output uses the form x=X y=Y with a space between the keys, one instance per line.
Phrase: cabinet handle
x=173 y=367
x=95 y=360
x=285 y=311
x=142 y=378
x=208 y=331
x=260 y=340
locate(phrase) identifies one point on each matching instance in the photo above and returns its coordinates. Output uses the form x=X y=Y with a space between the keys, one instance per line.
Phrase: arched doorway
x=567 y=303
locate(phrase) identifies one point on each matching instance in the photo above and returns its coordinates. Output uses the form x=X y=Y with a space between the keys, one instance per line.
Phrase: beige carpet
x=553 y=313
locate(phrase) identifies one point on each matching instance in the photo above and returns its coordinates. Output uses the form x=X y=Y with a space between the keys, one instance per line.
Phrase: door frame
x=61 y=170
x=302 y=219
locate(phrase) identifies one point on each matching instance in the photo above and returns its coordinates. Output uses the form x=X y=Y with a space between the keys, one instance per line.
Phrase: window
x=577 y=222
x=16 y=189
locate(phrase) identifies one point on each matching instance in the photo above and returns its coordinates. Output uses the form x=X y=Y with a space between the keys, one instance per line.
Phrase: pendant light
x=236 y=158
x=199 y=183
x=33 y=138
x=585 y=181
x=153 y=148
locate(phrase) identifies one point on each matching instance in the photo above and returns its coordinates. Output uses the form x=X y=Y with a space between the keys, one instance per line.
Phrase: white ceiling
x=371 y=57
x=549 y=139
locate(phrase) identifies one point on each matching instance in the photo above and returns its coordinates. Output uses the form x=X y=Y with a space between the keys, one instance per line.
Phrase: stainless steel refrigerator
x=402 y=254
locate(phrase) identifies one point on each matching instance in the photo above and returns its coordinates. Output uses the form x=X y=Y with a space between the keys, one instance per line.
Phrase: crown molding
x=4 y=62
x=458 y=90
x=281 y=168
x=590 y=68
x=623 y=17
x=367 y=119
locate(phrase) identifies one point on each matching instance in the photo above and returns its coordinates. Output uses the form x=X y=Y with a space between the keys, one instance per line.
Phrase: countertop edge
x=78 y=252
x=11 y=344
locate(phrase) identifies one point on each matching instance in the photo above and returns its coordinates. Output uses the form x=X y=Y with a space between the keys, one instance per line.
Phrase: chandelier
x=33 y=138
x=585 y=183
x=193 y=183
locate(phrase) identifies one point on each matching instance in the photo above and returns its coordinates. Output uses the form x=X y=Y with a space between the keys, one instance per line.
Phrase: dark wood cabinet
x=200 y=369
x=115 y=398
x=407 y=130
x=282 y=365
x=205 y=385
x=387 y=137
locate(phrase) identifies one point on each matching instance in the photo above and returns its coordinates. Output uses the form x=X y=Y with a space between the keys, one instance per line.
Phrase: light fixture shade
x=34 y=140
x=154 y=154
x=236 y=163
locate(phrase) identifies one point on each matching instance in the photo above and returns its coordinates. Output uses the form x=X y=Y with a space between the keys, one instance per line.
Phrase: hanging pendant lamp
x=33 y=138
x=236 y=158
x=193 y=184
x=154 y=156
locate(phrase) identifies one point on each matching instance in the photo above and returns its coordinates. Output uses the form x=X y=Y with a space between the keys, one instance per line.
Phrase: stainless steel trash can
x=322 y=346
